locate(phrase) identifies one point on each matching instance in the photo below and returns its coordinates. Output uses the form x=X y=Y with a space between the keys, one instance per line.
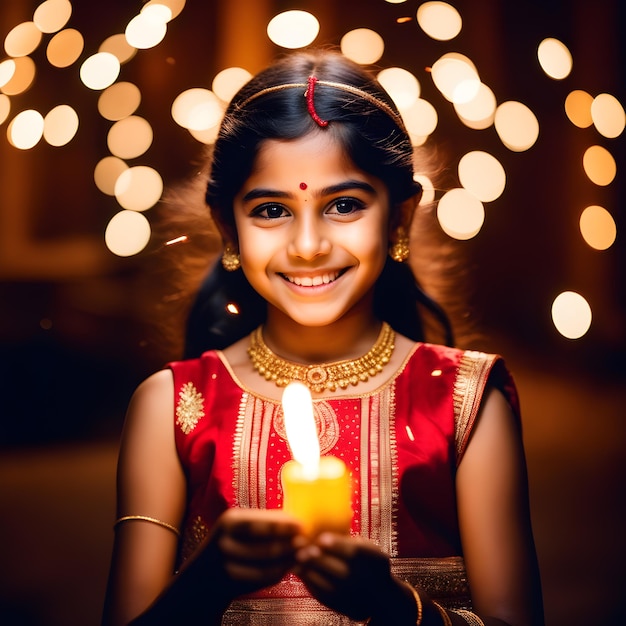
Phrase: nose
x=309 y=239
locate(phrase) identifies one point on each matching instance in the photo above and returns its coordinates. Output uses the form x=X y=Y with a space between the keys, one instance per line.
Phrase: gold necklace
x=322 y=376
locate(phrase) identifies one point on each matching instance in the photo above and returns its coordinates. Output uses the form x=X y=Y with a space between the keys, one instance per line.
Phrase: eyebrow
x=261 y=192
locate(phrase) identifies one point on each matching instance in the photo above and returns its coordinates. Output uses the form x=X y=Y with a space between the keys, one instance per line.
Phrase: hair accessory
x=230 y=259
x=470 y=618
x=309 y=93
x=399 y=251
x=323 y=376
x=145 y=518
x=444 y=615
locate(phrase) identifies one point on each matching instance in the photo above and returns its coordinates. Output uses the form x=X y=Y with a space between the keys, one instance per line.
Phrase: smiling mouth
x=314 y=281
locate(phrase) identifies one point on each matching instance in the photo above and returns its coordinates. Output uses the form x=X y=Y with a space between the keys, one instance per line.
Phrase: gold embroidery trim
x=471 y=378
x=190 y=408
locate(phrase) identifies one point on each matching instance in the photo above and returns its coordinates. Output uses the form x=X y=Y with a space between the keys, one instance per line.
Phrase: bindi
x=303 y=186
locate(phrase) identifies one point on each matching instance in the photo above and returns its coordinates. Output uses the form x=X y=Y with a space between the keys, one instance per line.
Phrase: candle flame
x=300 y=427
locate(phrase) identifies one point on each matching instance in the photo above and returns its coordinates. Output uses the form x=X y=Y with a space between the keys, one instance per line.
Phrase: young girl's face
x=312 y=230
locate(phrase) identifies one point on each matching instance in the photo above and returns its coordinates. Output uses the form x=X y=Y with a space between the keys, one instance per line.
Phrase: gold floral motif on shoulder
x=190 y=408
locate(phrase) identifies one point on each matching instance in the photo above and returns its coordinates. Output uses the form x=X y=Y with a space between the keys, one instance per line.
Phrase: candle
x=316 y=490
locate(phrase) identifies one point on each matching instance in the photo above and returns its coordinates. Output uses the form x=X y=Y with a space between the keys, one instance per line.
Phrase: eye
x=270 y=211
x=346 y=206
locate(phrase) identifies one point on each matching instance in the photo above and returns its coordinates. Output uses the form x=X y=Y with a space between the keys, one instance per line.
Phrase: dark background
x=78 y=325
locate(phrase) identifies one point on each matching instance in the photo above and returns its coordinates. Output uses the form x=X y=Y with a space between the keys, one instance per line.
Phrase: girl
x=311 y=186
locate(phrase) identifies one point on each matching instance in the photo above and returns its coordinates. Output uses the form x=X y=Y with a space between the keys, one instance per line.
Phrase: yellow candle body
x=323 y=503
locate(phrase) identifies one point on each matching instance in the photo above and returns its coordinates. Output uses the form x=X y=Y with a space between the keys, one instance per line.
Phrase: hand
x=352 y=576
x=253 y=548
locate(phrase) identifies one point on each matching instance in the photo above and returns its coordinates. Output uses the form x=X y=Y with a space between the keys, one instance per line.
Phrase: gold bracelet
x=145 y=518
x=418 y=604
x=444 y=616
x=470 y=618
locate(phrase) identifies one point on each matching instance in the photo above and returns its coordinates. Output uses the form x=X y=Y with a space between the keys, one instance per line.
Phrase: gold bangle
x=418 y=604
x=145 y=518
x=444 y=616
x=470 y=618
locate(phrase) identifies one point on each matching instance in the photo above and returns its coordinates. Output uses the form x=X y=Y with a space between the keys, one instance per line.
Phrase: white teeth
x=313 y=281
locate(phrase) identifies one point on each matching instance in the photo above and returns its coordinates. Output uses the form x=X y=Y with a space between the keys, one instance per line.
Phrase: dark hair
x=373 y=139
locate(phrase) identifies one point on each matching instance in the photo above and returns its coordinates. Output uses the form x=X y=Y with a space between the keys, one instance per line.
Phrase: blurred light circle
x=229 y=81
x=22 y=40
x=65 y=48
x=158 y=11
x=52 y=15
x=197 y=109
x=456 y=78
x=599 y=165
x=138 y=188
x=578 y=108
x=555 y=58
x=118 y=46
x=597 y=227
x=175 y=6
x=106 y=173
x=401 y=85
x=460 y=214
x=206 y=136
x=439 y=20
x=479 y=112
x=608 y=115
x=147 y=29
x=130 y=137
x=571 y=314
x=420 y=118
x=26 y=129
x=482 y=175
x=428 y=189
x=60 y=125
x=100 y=70
x=5 y=107
x=127 y=233
x=516 y=126
x=23 y=77
x=7 y=71
x=119 y=101
x=363 y=46
x=293 y=29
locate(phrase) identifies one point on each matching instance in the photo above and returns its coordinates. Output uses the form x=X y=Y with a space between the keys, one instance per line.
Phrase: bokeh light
x=119 y=101
x=60 y=125
x=5 y=107
x=421 y=120
x=402 y=86
x=460 y=214
x=439 y=20
x=599 y=165
x=100 y=70
x=22 y=40
x=571 y=314
x=608 y=115
x=555 y=58
x=127 y=233
x=228 y=82
x=197 y=109
x=516 y=125
x=106 y=173
x=138 y=188
x=578 y=108
x=597 y=227
x=148 y=29
x=482 y=175
x=479 y=112
x=363 y=45
x=293 y=29
x=175 y=6
x=52 y=15
x=7 y=71
x=26 y=129
x=130 y=137
x=23 y=77
x=456 y=77
x=118 y=46
x=65 y=48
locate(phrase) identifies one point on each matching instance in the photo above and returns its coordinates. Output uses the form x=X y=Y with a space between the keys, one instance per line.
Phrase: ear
x=403 y=217
x=227 y=232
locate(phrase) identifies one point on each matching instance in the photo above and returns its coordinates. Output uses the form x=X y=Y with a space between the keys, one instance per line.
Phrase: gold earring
x=230 y=258
x=399 y=251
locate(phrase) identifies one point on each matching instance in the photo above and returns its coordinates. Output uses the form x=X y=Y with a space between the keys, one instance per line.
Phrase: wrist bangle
x=418 y=604
x=444 y=616
x=470 y=618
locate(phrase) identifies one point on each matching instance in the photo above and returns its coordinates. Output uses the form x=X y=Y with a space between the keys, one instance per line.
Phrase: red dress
x=402 y=444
